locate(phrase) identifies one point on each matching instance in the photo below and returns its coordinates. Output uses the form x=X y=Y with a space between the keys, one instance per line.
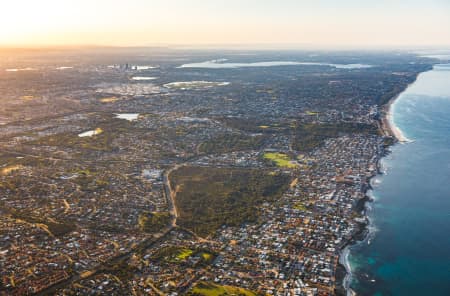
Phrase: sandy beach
x=388 y=127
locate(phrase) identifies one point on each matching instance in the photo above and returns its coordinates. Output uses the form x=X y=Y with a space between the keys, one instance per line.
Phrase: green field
x=176 y=254
x=183 y=254
x=210 y=289
x=173 y=254
x=280 y=159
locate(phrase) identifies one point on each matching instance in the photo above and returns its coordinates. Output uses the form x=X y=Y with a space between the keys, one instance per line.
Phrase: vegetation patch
x=310 y=136
x=99 y=139
x=101 y=142
x=53 y=227
x=153 y=222
x=89 y=180
x=300 y=206
x=210 y=289
x=281 y=160
x=184 y=254
x=206 y=256
x=232 y=142
x=173 y=254
x=207 y=198
x=307 y=136
x=256 y=125
x=123 y=271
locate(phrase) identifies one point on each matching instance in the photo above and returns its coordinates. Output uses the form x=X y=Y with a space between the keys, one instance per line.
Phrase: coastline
x=390 y=131
x=422 y=113
x=386 y=123
x=387 y=126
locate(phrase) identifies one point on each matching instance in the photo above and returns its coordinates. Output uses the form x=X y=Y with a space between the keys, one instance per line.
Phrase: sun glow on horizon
x=140 y=22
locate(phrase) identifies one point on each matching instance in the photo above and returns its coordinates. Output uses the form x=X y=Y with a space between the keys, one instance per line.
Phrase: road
x=171 y=194
x=147 y=243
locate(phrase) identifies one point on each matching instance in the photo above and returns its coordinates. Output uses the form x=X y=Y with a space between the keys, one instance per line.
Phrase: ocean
x=408 y=249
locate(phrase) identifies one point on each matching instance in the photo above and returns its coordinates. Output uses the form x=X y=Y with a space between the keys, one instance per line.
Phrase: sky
x=291 y=23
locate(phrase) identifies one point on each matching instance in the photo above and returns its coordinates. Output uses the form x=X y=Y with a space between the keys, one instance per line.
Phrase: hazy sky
x=316 y=23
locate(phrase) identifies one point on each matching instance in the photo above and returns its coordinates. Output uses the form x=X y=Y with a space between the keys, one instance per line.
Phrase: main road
x=171 y=194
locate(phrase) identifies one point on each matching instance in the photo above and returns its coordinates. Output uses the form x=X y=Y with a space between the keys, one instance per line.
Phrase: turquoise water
x=408 y=252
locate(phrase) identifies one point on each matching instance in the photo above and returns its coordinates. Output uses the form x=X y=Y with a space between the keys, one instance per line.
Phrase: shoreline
x=390 y=131
x=387 y=125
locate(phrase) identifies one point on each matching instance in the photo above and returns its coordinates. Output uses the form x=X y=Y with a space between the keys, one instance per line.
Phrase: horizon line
x=229 y=46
